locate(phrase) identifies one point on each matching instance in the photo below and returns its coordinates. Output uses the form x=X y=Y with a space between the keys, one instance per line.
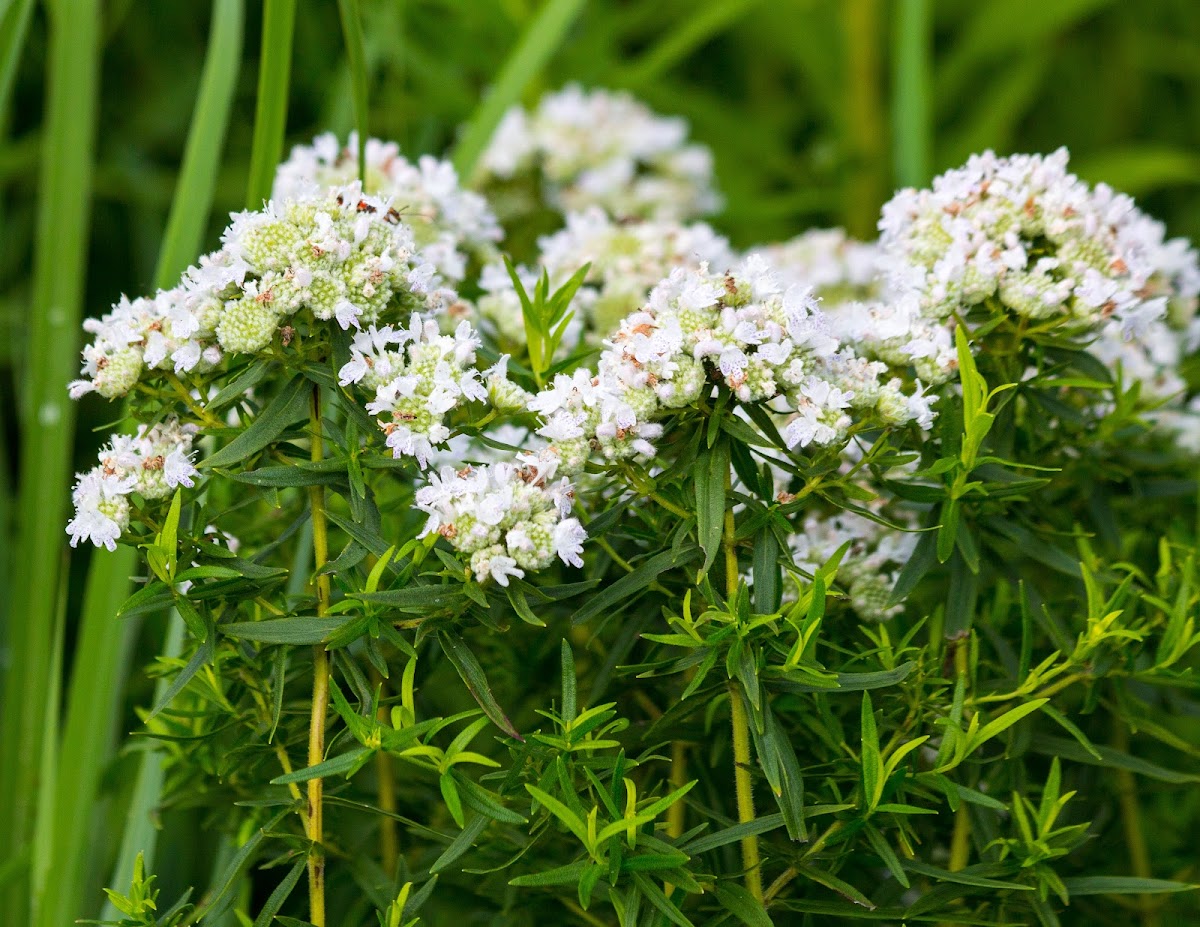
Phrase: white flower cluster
x=699 y=329
x=420 y=375
x=846 y=275
x=894 y=331
x=1024 y=231
x=508 y=517
x=340 y=255
x=151 y=463
x=450 y=225
x=1150 y=348
x=871 y=564
x=839 y=269
x=627 y=259
x=602 y=148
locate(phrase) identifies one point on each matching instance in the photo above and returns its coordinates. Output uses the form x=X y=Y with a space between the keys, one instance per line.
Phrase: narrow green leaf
x=203 y=655
x=240 y=862
x=843 y=888
x=741 y=904
x=872 y=760
x=568 y=683
x=733 y=834
x=356 y=56
x=911 y=91
x=633 y=582
x=849 y=682
x=281 y=893
x=463 y=842
x=287 y=407
x=1123 y=885
x=1005 y=721
x=1110 y=758
x=710 y=474
x=190 y=207
x=270 y=114
x=344 y=763
x=962 y=877
x=49 y=361
x=542 y=37
x=560 y=875
x=14 y=26
x=655 y=895
x=457 y=652
x=768 y=575
x=294 y=631
x=141 y=817
x=414 y=598
x=288 y=476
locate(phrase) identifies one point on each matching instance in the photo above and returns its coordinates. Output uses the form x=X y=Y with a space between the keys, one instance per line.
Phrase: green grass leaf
x=270 y=115
x=541 y=38
x=190 y=207
x=356 y=56
x=912 y=131
x=47 y=416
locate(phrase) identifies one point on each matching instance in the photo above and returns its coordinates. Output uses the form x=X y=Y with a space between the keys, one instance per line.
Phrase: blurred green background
x=815 y=110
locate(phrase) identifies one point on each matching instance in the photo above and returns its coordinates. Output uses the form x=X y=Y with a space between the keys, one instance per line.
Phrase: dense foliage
x=530 y=552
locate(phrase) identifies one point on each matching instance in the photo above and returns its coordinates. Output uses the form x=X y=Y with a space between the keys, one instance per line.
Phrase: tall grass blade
x=700 y=26
x=542 y=37
x=912 y=132
x=88 y=738
x=14 y=26
x=270 y=116
x=141 y=834
x=47 y=416
x=356 y=55
x=42 y=855
x=190 y=209
x=183 y=240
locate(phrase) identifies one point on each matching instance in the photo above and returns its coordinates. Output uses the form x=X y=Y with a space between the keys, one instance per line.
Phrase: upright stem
x=1131 y=821
x=745 y=789
x=678 y=780
x=960 y=841
x=389 y=839
x=742 y=779
x=320 y=695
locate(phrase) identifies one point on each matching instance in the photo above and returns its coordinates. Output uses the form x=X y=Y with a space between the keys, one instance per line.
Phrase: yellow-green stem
x=743 y=782
x=745 y=789
x=678 y=781
x=960 y=841
x=1131 y=821
x=389 y=839
x=320 y=694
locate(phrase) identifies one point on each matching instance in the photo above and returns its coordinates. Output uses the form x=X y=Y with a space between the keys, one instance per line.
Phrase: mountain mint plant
x=645 y=583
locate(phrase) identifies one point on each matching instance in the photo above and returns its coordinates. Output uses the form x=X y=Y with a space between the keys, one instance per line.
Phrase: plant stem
x=678 y=781
x=960 y=841
x=320 y=696
x=745 y=789
x=389 y=839
x=1131 y=821
x=743 y=782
